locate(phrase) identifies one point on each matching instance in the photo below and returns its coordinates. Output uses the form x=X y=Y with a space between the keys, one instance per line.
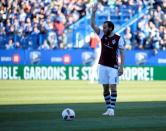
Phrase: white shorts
x=107 y=75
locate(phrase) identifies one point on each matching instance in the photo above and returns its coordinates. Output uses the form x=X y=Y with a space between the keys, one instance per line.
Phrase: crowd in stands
x=40 y=24
x=151 y=30
x=25 y=22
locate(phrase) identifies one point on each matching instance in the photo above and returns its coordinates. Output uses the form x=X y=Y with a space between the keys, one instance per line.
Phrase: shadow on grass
x=130 y=116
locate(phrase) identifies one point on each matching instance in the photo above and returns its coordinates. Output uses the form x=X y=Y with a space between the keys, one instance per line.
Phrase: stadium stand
x=54 y=24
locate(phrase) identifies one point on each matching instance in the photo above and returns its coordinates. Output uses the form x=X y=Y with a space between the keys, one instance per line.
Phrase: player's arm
x=122 y=61
x=93 y=22
x=121 y=51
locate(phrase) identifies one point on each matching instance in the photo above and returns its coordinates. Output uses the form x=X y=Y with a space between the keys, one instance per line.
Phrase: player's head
x=108 y=27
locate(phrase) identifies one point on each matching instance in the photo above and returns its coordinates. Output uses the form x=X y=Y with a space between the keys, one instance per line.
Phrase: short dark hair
x=110 y=24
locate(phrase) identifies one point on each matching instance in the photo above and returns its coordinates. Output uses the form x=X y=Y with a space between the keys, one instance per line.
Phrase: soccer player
x=109 y=67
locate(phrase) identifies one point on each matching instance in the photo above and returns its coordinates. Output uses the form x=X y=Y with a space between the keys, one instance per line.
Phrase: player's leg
x=113 y=95
x=104 y=80
x=110 y=99
x=113 y=88
x=107 y=98
x=113 y=80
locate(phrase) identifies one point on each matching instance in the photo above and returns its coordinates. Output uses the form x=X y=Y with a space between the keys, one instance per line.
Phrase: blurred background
x=58 y=33
x=43 y=40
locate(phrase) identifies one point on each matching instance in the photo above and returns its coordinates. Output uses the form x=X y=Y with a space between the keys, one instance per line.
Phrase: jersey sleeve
x=121 y=43
x=101 y=34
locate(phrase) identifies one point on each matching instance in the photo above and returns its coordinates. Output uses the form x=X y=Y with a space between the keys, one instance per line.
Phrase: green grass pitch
x=37 y=106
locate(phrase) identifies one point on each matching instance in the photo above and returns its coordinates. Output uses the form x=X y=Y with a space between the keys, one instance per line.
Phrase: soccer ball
x=68 y=114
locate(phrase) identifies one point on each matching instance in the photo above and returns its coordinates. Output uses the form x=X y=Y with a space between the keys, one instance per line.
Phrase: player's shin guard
x=113 y=99
x=107 y=98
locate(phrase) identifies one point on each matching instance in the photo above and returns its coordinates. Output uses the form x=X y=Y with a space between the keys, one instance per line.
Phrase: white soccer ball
x=68 y=114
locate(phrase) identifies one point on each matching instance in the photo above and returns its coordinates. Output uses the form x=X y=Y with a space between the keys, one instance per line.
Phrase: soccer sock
x=107 y=98
x=113 y=99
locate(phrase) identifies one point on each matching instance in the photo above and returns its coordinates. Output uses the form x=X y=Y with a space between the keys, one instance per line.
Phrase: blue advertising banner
x=76 y=57
x=60 y=57
x=145 y=58
x=12 y=57
x=52 y=57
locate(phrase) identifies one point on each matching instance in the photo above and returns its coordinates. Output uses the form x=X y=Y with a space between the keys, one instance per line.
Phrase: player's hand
x=94 y=8
x=120 y=71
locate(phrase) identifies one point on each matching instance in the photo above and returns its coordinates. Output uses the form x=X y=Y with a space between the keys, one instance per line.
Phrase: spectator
x=163 y=41
x=52 y=40
x=22 y=16
x=10 y=44
x=128 y=38
x=140 y=36
x=20 y=20
x=44 y=46
x=94 y=41
x=17 y=45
